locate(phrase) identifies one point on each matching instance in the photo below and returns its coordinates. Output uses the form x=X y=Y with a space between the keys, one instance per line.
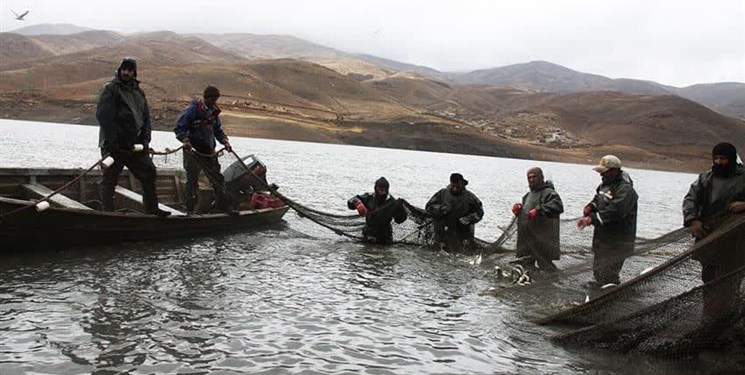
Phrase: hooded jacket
x=123 y=115
x=378 y=228
x=447 y=209
x=540 y=236
x=709 y=202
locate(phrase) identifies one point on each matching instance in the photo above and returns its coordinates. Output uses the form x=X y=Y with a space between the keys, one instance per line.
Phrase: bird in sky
x=21 y=16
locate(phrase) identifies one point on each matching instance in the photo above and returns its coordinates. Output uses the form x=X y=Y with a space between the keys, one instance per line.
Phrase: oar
x=42 y=204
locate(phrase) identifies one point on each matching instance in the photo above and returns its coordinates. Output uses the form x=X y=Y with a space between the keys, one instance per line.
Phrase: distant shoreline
x=375 y=137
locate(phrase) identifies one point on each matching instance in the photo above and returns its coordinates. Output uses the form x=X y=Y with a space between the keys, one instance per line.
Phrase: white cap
x=607 y=162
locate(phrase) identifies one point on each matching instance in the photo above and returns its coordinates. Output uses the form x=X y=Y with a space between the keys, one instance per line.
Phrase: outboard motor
x=250 y=187
x=238 y=179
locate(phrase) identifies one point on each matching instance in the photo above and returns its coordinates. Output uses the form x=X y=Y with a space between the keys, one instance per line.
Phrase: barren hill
x=71 y=43
x=725 y=97
x=16 y=48
x=255 y=46
x=50 y=29
x=548 y=77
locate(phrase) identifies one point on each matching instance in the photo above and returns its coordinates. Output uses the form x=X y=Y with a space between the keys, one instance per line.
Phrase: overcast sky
x=672 y=42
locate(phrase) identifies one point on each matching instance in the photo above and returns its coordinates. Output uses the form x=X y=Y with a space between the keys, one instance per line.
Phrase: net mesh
x=662 y=306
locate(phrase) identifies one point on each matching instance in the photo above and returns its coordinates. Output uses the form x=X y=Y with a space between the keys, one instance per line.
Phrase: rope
x=168 y=151
x=63 y=187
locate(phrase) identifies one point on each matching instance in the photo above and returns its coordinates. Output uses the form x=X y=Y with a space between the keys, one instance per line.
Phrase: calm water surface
x=296 y=298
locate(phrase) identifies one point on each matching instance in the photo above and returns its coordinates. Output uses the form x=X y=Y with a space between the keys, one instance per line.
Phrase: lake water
x=297 y=298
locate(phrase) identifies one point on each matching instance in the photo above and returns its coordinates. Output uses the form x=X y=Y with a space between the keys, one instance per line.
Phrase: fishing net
x=662 y=306
x=669 y=311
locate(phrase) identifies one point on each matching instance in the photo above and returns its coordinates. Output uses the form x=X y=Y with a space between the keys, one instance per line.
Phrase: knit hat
x=211 y=92
x=382 y=183
x=727 y=150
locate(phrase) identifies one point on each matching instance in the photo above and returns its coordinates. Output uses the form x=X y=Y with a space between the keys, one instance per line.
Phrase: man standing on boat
x=124 y=119
x=378 y=208
x=712 y=199
x=613 y=214
x=538 y=223
x=456 y=211
x=197 y=129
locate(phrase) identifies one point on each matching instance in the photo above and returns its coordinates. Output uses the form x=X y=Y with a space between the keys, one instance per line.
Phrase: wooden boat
x=72 y=220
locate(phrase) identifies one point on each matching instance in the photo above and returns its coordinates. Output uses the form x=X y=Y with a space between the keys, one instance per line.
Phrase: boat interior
x=21 y=185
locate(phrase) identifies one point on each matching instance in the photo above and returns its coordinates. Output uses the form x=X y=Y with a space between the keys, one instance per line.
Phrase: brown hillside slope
x=16 y=48
x=71 y=43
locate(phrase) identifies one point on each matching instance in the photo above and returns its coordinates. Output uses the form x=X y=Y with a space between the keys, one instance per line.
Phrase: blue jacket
x=201 y=126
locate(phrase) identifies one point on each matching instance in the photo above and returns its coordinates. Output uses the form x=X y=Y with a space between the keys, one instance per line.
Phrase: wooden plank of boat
x=59 y=199
x=129 y=194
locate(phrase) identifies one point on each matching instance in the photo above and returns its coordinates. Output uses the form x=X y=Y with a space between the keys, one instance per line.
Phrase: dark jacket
x=123 y=116
x=698 y=204
x=447 y=210
x=709 y=202
x=614 y=218
x=201 y=125
x=540 y=236
x=378 y=228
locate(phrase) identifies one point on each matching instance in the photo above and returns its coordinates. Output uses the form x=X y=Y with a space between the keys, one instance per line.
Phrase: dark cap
x=457 y=177
x=211 y=92
x=128 y=63
x=725 y=149
x=382 y=183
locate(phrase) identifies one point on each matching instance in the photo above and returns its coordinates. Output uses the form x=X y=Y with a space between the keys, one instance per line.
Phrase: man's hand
x=465 y=220
x=585 y=221
x=227 y=145
x=737 y=207
x=587 y=211
x=532 y=214
x=187 y=145
x=698 y=229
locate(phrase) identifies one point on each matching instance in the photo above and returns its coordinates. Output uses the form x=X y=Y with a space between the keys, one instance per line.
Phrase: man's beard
x=725 y=170
x=608 y=179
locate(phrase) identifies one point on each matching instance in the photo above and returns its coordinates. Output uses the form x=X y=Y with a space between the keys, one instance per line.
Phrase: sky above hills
x=672 y=42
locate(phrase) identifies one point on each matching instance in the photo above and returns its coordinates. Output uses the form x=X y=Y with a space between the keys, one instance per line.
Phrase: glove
x=187 y=145
x=465 y=220
x=517 y=208
x=587 y=211
x=227 y=145
x=585 y=221
x=361 y=209
x=532 y=214
x=444 y=210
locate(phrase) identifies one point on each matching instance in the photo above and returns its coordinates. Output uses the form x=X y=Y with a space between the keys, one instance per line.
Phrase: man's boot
x=107 y=197
x=150 y=201
x=223 y=203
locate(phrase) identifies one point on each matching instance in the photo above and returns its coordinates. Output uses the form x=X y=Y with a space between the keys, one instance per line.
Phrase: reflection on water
x=295 y=298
